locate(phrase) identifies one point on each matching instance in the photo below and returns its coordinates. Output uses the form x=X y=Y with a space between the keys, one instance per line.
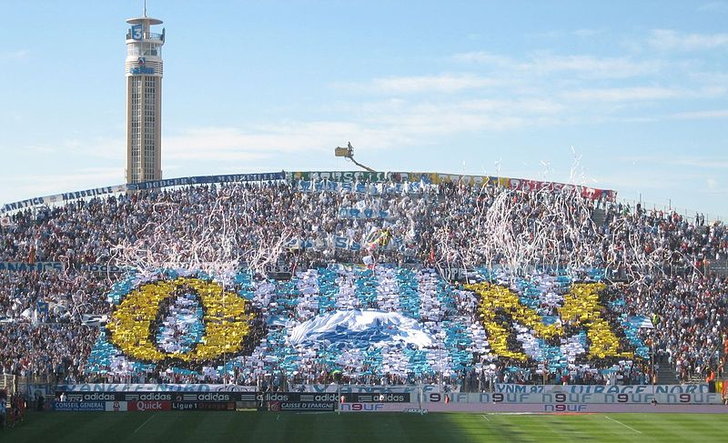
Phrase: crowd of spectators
x=661 y=259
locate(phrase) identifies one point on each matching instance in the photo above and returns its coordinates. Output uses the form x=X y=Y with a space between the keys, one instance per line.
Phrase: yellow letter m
x=500 y=308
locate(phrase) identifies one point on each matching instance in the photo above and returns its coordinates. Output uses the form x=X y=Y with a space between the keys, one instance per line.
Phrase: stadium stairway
x=598 y=216
x=666 y=374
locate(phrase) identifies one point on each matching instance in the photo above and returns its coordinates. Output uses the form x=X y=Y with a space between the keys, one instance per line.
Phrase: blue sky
x=632 y=92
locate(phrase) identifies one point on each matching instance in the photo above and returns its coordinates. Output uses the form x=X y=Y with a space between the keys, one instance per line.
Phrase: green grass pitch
x=197 y=426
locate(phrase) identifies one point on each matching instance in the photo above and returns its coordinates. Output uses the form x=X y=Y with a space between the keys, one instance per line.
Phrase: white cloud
x=229 y=143
x=584 y=65
x=698 y=162
x=669 y=40
x=585 y=32
x=719 y=79
x=13 y=56
x=416 y=122
x=109 y=148
x=624 y=94
x=379 y=125
x=598 y=67
x=714 y=7
x=699 y=115
x=32 y=185
x=444 y=83
x=277 y=141
x=482 y=57
x=690 y=162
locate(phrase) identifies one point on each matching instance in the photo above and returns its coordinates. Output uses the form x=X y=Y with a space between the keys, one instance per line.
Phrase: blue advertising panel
x=79 y=406
x=136 y=32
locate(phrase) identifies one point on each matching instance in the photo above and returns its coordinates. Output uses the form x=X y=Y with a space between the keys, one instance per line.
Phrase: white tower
x=143 y=100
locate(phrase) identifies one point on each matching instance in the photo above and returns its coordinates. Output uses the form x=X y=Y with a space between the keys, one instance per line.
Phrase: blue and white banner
x=152 y=387
x=356 y=328
x=701 y=388
x=341 y=176
x=641 y=322
x=64 y=197
x=208 y=179
x=95 y=192
x=24 y=204
x=413 y=390
x=102 y=268
x=362 y=188
x=339 y=242
x=37 y=266
x=365 y=213
x=155 y=184
x=94 y=320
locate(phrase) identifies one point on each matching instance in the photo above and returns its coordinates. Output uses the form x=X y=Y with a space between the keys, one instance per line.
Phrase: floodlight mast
x=348 y=152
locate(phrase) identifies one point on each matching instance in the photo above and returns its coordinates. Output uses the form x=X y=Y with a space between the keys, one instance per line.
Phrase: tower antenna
x=145 y=8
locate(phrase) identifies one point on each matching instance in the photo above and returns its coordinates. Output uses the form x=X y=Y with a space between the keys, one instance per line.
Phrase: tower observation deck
x=144 y=70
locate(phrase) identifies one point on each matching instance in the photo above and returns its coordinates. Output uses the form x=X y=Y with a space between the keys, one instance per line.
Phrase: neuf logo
x=362 y=406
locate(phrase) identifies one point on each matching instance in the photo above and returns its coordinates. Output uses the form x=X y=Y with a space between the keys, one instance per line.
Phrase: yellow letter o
x=227 y=321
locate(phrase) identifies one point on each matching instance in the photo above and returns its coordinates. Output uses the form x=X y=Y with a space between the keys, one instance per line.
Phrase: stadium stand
x=299 y=281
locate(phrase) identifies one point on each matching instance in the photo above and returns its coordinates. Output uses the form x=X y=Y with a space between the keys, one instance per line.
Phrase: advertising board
x=556 y=397
x=303 y=397
x=358 y=397
x=79 y=406
x=361 y=407
x=202 y=406
x=92 y=396
x=142 y=405
x=214 y=396
x=284 y=406
x=116 y=406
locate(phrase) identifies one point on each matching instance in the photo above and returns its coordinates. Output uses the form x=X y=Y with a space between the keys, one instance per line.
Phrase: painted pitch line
x=145 y=422
x=626 y=426
x=485 y=417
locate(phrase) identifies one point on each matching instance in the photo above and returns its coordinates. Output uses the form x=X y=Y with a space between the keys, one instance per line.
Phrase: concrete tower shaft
x=144 y=70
